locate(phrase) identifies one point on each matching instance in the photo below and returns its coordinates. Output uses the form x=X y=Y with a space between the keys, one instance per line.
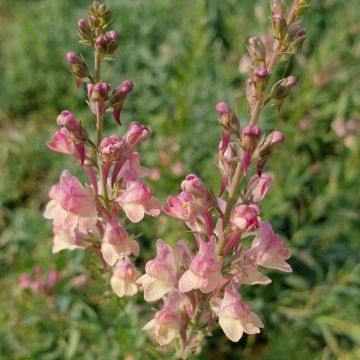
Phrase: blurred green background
x=183 y=56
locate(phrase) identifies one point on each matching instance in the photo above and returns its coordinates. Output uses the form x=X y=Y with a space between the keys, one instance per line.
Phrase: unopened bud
x=228 y=119
x=279 y=26
x=78 y=66
x=282 y=89
x=67 y=120
x=256 y=49
x=277 y=7
x=101 y=12
x=85 y=32
x=98 y=91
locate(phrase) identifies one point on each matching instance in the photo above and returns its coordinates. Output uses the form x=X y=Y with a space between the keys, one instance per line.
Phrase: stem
x=259 y=104
x=99 y=131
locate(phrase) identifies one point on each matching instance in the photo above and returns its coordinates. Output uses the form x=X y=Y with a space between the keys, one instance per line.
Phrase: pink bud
x=113 y=35
x=126 y=86
x=261 y=73
x=67 y=119
x=72 y=59
x=101 y=41
x=245 y=217
x=277 y=137
x=193 y=185
x=291 y=81
x=81 y=23
x=222 y=107
x=251 y=130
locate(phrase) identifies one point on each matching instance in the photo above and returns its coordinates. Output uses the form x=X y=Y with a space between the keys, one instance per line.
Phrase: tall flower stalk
x=92 y=216
x=198 y=288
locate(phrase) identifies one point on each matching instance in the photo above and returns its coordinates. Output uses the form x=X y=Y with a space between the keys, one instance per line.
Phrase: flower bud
x=78 y=65
x=277 y=7
x=260 y=75
x=100 y=15
x=256 y=49
x=301 y=6
x=137 y=133
x=282 y=89
x=279 y=25
x=228 y=119
x=85 y=32
x=98 y=91
x=297 y=35
x=67 y=120
x=249 y=136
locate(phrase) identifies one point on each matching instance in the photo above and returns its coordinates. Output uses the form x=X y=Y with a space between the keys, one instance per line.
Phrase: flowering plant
x=198 y=288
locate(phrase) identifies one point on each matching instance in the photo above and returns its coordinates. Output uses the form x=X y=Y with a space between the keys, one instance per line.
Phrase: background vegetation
x=183 y=57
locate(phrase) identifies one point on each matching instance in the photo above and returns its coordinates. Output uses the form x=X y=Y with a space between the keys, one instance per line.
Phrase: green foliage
x=183 y=59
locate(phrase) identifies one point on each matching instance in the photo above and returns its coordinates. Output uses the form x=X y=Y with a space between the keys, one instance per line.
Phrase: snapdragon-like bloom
x=269 y=250
x=259 y=186
x=137 y=133
x=236 y=317
x=116 y=243
x=71 y=204
x=166 y=324
x=137 y=200
x=61 y=142
x=161 y=273
x=204 y=272
x=123 y=280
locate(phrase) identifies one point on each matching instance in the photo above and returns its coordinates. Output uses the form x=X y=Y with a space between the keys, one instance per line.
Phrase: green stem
x=259 y=104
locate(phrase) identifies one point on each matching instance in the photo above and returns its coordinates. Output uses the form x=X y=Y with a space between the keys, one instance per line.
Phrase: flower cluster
x=201 y=288
x=198 y=285
x=88 y=216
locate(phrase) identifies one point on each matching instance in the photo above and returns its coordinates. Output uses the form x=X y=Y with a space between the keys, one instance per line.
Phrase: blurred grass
x=183 y=59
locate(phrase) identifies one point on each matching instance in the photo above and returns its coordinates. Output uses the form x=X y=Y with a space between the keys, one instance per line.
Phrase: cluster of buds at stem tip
x=199 y=285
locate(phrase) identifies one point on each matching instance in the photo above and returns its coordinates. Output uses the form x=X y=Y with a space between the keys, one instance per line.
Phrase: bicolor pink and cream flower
x=137 y=200
x=123 y=280
x=236 y=317
x=161 y=273
x=72 y=205
x=204 y=271
x=259 y=186
x=116 y=244
x=268 y=249
x=166 y=324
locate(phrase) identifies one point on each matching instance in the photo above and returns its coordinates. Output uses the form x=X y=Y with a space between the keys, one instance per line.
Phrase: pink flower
x=123 y=281
x=161 y=273
x=235 y=316
x=167 y=322
x=136 y=200
x=111 y=148
x=71 y=204
x=137 y=133
x=259 y=186
x=61 y=142
x=116 y=243
x=269 y=250
x=245 y=217
x=204 y=272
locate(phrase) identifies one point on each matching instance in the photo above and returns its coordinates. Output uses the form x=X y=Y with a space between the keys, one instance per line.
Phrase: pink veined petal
x=189 y=281
x=118 y=286
x=155 y=290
